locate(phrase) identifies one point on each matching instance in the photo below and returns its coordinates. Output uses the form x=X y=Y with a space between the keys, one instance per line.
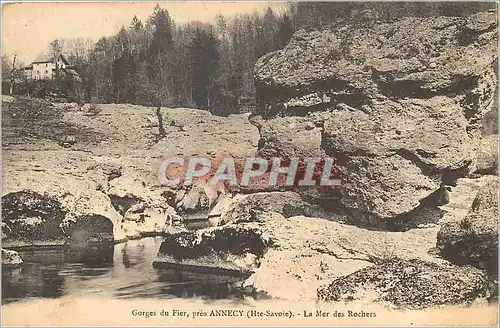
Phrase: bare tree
x=12 y=75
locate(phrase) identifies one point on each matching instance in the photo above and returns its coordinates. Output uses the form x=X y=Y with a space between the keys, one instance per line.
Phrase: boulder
x=228 y=250
x=409 y=284
x=288 y=203
x=31 y=217
x=11 y=259
x=487 y=155
x=474 y=239
x=384 y=187
x=399 y=105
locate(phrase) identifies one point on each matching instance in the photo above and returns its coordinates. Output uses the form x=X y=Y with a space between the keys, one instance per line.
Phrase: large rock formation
x=308 y=252
x=398 y=105
x=474 y=240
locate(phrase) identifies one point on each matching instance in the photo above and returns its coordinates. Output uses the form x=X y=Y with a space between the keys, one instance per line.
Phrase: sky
x=28 y=28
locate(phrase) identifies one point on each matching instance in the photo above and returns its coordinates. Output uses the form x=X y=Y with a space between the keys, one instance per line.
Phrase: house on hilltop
x=46 y=67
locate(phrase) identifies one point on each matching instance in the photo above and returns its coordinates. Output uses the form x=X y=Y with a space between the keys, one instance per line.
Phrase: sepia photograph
x=287 y=163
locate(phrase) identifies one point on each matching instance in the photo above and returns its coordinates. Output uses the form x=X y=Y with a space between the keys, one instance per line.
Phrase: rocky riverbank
x=401 y=106
x=67 y=170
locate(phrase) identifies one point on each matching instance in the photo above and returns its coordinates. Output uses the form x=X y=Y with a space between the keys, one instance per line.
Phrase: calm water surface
x=119 y=271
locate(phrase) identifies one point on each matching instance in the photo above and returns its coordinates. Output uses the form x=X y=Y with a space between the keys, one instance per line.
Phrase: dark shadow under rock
x=89 y=229
x=412 y=284
x=232 y=238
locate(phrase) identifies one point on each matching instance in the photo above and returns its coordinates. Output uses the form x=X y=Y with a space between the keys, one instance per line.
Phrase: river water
x=118 y=271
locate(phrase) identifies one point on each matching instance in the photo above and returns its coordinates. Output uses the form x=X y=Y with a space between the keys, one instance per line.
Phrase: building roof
x=45 y=57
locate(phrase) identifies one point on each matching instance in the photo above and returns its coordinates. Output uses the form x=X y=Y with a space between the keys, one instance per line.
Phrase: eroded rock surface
x=29 y=217
x=399 y=105
x=474 y=239
x=412 y=284
x=307 y=252
x=304 y=252
x=232 y=249
x=288 y=203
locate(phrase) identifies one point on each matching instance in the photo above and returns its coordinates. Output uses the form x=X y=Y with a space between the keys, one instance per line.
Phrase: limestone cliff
x=399 y=105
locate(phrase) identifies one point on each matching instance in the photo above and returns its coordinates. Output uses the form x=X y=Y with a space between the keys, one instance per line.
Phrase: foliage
x=6 y=67
x=204 y=57
x=314 y=14
x=157 y=62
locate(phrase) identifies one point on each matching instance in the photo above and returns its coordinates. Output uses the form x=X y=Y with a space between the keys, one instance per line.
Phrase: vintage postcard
x=249 y=164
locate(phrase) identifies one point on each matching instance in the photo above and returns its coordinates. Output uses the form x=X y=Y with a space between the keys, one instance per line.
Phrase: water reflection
x=114 y=271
